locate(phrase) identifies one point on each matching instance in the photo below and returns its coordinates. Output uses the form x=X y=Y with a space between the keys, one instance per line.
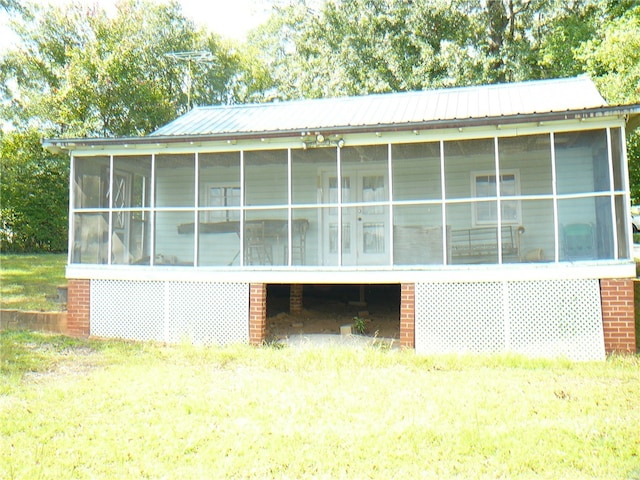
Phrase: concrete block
x=345 y=330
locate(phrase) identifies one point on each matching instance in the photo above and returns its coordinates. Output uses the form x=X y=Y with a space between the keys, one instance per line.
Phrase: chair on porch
x=299 y=242
x=579 y=241
x=257 y=247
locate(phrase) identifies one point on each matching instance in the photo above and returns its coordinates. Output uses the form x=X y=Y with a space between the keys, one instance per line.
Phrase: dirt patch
x=326 y=311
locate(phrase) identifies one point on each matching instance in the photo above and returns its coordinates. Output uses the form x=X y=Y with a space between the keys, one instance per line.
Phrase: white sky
x=229 y=18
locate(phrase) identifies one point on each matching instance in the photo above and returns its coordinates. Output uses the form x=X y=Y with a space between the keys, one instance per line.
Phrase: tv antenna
x=190 y=58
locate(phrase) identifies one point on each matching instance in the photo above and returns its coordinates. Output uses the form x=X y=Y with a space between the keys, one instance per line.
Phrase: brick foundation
x=295 y=299
x=257 y=313
x=618 y=315
x=407 y=316
x=78 y=308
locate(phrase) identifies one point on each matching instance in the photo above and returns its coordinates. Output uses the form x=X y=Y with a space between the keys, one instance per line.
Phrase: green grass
x=28 y=282
x=109 y=409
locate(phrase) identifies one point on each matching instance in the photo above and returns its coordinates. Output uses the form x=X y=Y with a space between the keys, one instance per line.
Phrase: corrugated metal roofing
x=393 y=109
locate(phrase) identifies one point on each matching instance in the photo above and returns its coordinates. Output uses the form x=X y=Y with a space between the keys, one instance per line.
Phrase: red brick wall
x=257 y=313
x=295 y=299
x=78 y=308
x=407 y=315
x=618 y=315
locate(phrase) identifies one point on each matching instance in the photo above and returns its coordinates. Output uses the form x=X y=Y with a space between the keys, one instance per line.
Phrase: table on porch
x=260 y=234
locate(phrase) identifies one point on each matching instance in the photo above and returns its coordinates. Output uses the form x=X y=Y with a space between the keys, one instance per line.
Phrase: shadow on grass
x=25 y=353
x=29 y=281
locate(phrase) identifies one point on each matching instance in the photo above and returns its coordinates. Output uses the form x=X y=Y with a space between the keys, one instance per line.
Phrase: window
x=224 y=196
x=485 y=186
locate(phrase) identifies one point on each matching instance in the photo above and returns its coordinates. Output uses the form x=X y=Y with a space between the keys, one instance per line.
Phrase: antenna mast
x=191 y=57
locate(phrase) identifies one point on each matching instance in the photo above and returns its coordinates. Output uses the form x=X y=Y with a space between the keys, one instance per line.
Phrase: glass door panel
x=365 y=225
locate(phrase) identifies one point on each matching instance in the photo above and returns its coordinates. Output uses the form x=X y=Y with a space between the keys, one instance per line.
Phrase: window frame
x=217 y=213
x=498 y=197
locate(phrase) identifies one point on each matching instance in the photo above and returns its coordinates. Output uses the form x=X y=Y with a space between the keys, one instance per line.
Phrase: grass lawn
x=27 y=280
x=108 y=409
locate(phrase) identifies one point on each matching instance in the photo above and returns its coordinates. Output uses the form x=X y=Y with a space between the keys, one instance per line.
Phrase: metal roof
x=389 y=110
x=503 y=104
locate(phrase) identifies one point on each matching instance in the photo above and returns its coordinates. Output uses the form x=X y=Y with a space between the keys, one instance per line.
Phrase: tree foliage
x=612 y=58
x=81 y=72
x=347 y=47
x=78 y=71
x=34 y=195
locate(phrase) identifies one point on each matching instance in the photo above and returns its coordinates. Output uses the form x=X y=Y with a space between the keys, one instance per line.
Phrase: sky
x=229 y=18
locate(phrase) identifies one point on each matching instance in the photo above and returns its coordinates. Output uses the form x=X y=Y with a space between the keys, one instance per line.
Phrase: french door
x=364 y=239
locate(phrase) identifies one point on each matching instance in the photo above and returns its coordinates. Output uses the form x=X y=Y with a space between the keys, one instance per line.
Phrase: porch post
x=618 y=315
x=257 y=313
x=407 y=316
x=295 y=299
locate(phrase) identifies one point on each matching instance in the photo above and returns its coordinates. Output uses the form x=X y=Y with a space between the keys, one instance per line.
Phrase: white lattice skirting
x=173 y=312
x=555 y=318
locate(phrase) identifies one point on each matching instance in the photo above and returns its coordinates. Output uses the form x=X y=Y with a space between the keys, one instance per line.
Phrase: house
x=500 y=212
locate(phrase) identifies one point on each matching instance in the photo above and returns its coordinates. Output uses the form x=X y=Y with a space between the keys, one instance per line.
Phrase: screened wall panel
x=171 y=247
x=305 y=237
x=417 y=235
x=266 y=174
x=265 y=237
x=91 y=182
x=218 y=243
x=175 y=181
x=131 y=238
x=308 y=168
x=582 y=161
x=219 y=180
x=531 y=156
x=622 y=226
x=537 y=240
x=507 y=208
x=416 y=171
x=90 y=238
x=368 y=241
x=131 y=229
x=132 y=181
x=586 y=228
x=463 y=157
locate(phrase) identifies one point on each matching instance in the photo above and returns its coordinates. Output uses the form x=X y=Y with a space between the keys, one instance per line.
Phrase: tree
x=356 y=47
x=81 y=72
x=612 y=58
x=348 y=47
x=33 y=194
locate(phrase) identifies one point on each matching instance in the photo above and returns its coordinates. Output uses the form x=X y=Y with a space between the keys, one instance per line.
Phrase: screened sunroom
x=498 y=217
x=408 y=202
